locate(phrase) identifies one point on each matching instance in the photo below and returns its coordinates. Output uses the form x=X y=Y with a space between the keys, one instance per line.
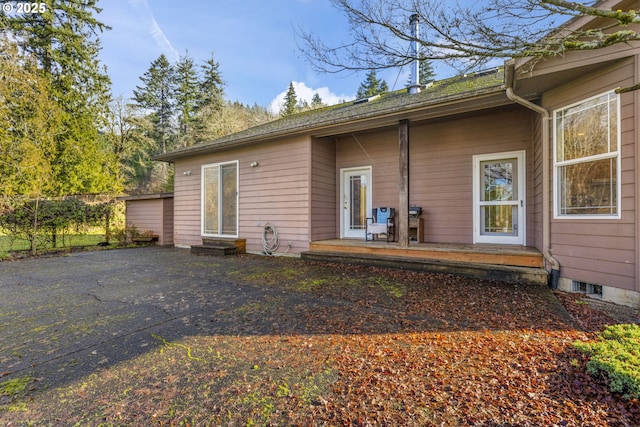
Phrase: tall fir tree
x=64 y=41
x=211 y=84
x=426 y=73
x=187 y=94
x=158 y=95
x=290 y=102
x=372 y=86
x=209 y=103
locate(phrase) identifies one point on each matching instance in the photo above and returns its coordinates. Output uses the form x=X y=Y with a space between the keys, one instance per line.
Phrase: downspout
x=546 y=220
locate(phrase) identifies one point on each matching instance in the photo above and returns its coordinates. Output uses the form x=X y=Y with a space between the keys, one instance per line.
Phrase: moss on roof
x=392 y=102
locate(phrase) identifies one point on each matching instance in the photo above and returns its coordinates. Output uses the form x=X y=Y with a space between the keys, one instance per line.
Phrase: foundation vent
x=590 y=289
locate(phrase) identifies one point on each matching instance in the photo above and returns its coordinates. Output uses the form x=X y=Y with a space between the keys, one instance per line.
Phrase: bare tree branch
x=464 y=36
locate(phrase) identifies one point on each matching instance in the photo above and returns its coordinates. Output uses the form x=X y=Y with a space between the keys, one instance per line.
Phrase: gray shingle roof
x=457 y=88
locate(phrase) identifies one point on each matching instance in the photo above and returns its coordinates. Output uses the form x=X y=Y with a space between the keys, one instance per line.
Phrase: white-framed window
x=587 y=158
x=220 y=199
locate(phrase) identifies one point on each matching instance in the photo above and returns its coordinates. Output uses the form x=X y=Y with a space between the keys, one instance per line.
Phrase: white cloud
x=145 y=12
x=305 y=93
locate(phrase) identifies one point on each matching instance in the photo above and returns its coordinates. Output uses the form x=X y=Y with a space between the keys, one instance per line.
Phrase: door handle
x=346 y=203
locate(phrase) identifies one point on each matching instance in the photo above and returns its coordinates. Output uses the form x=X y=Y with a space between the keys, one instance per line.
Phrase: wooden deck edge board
x=495 y=258
x=533 y=275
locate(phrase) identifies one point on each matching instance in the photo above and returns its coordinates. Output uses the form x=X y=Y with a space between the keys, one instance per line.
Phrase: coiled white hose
x=270 y=240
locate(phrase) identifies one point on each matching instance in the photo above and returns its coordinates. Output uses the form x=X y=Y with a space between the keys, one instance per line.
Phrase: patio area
x=157 y=336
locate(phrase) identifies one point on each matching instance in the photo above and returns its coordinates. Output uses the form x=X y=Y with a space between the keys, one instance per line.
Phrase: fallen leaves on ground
x=356 y=346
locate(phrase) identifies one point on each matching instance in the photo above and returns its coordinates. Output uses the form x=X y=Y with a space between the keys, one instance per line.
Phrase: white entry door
x=499 y=195
x=355 y=201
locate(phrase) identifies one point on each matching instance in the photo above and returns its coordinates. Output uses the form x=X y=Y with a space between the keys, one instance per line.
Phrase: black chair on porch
x=382 y=222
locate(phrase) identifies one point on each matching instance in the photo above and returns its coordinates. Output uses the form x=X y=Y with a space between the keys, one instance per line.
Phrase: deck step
x=213 y=250
x=220 y=247
x=534 y=275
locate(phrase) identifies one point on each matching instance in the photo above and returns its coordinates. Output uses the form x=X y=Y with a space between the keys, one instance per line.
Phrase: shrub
x=616 y=355
x=126 y=235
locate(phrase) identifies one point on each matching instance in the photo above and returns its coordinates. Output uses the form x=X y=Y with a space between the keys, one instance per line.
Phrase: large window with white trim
x=586 y=158
x=220 y=199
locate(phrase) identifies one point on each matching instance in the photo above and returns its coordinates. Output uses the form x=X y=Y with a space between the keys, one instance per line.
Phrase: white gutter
x=546 y=220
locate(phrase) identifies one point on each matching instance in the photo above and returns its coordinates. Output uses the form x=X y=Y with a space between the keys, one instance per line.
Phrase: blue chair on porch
x=382 y=222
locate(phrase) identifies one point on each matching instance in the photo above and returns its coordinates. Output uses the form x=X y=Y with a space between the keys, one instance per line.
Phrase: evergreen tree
x=290 y=102
x=186 y=96
x=211 y=84
x=209 y=103
x=316 y=101
x=425 y=73
x=372 y=86
x=158 y=95
x=63 y=39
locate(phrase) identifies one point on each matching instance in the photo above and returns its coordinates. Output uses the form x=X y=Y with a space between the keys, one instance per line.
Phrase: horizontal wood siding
x=323 y=189
x=601 y=251
x=442 y=168
x=535 y=209
x=275 y=192
x=378 y=149
x=167 y=222
x=186 y=203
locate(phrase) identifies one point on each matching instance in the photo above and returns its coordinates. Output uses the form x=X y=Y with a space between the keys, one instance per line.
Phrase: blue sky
x=254 y=42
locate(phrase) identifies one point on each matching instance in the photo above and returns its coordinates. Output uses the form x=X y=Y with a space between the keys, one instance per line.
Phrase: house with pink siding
x=528 y=171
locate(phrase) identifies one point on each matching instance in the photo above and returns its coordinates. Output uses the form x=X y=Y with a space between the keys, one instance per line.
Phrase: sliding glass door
x=220 y=199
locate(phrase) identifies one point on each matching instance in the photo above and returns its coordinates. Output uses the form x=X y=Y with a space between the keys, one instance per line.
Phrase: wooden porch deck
x=501 y=262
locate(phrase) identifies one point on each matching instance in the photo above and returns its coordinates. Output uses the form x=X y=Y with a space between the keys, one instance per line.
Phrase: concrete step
x=532 y=275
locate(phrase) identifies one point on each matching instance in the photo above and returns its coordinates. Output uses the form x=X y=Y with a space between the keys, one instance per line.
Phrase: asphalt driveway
x=64 y=317
x=159 y=336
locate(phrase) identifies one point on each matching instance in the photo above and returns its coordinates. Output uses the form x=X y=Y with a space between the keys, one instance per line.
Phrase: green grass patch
x=390 y=287
x=315 y=386
x=15 y=387
x=311 y=284
x=616 y=354
x=71 y=240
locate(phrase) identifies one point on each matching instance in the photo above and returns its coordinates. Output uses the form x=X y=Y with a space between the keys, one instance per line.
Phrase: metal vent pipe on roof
x=414 y=21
